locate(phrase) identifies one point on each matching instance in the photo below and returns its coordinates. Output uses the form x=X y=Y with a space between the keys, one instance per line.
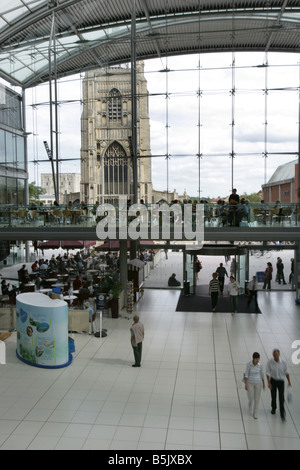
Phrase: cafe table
x=70 y=298
x=45 y=291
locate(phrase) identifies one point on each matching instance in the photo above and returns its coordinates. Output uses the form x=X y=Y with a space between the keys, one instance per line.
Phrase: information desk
x=42 y=331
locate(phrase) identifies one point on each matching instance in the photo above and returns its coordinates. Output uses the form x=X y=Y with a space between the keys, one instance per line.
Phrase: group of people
x=215 y=290
x=216 y=287
x=276 y=372
x=268 y=273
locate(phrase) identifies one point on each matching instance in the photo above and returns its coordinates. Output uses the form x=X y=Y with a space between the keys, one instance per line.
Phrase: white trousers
x=254 y=392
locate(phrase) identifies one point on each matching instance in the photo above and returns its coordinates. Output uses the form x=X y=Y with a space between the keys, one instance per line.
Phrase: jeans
x=234 y=302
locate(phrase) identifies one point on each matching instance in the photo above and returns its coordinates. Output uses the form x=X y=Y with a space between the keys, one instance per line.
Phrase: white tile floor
x=187 y=395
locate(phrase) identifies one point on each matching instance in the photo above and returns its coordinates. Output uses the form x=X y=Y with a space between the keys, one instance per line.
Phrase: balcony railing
x=212 y=215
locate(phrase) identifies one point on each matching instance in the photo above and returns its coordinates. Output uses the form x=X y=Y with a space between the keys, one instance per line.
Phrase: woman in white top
x=254 y=381
x=233 y=292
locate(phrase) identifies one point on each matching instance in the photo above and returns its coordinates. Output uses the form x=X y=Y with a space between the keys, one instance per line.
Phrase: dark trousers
x=214 y=299
x=221 y=282
x=253 y=293
x=137 y=351
x=277 y=385
x=267 y=282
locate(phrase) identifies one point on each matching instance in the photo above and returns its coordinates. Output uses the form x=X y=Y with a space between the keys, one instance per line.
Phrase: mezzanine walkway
x=261 y=223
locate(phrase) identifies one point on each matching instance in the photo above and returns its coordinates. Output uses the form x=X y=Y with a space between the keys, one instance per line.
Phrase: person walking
x=214 y=291
x=222 y=272
x=254 y=382
x=198 y=267
x=252 y=292
x=268 y=276
x=233 y=292
x=291 y=276
x=137 y=338
x=280 y=273
x=276 y=373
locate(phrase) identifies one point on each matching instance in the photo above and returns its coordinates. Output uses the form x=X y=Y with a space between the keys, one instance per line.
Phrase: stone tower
x=106 y=166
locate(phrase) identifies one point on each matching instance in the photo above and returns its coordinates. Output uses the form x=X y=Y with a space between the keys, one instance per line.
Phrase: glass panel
x=2 y=190
x=20 y=152
x=21 y=191
x=14 y=14
x=10 y=149
x=12 y=195
x=2 y=147
x=190 y=272
x=242 y=272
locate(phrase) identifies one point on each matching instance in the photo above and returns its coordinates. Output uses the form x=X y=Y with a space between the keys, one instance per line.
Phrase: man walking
x=252 y=292
x=276 y=373
x=222 y=272
x=137 y=338
x=214 y=291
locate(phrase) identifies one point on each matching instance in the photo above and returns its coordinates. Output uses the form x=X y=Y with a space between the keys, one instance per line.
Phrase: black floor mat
x=201 y=302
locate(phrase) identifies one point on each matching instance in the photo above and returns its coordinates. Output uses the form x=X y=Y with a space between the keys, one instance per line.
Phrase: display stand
x=130 y=297
x=42 y=331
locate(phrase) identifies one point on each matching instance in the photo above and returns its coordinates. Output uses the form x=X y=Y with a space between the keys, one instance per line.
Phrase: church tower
x=106 y=164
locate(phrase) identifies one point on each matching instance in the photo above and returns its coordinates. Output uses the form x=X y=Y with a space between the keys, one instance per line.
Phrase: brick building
x=283 y=184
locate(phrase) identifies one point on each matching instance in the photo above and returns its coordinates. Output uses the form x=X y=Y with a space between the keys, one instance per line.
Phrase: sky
x=174 y=121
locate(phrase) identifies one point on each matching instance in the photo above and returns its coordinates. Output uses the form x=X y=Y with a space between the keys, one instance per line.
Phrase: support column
x=123 y=268
x=133 y=243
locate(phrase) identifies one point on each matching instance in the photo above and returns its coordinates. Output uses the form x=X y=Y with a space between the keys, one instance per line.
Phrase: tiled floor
x=188 y=393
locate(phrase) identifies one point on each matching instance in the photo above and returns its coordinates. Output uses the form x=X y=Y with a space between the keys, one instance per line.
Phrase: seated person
x=84 y=290
x=35 y=267
x=77 y=283
x=23 y=274
x=172 y=282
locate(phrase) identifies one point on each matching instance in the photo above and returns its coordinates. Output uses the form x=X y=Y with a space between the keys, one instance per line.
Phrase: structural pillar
x=123 y=268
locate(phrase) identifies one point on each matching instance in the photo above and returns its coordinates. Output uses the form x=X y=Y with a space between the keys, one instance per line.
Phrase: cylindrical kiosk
x=42 y=331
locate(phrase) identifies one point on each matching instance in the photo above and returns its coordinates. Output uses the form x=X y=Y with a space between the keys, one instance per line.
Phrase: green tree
x=253 y=197
x=35 y=191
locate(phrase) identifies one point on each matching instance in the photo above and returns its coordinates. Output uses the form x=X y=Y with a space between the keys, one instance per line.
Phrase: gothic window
x=116 y=170
x=114 y=106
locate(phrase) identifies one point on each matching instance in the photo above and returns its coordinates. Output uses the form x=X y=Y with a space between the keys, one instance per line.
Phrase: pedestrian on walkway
x=291 y=276
x=254 y=382
x=222 y=272
x=280 y=273
x=137 y=338
x=276 y=372
x=268 y=276
x=252 y=292
x=233 y=292
x=214 y=291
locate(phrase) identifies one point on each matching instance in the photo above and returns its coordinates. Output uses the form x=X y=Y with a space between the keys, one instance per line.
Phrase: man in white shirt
x=252 y=292
x=276 y=373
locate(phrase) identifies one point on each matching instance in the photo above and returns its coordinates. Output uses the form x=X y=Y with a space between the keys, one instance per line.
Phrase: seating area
x=216 y=215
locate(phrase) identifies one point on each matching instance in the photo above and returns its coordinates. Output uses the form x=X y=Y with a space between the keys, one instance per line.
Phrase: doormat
x=201 y=302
